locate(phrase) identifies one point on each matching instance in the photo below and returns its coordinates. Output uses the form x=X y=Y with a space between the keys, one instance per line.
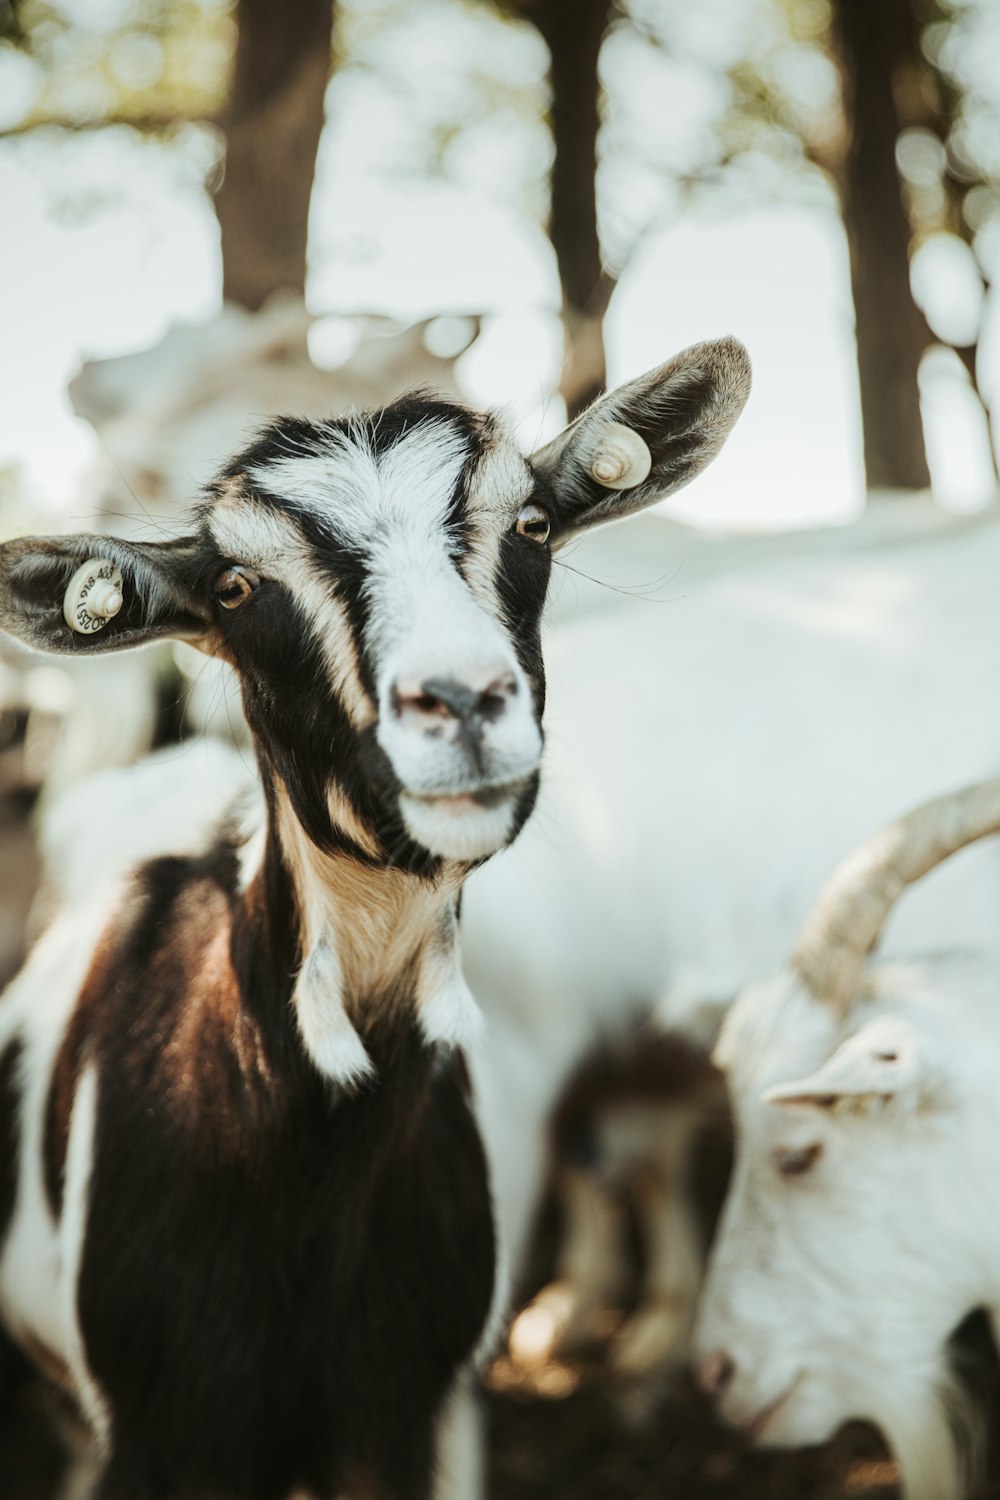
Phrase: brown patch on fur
x=379 y=918
x=211 y=1061
x=213 y=1029
x=344 y=817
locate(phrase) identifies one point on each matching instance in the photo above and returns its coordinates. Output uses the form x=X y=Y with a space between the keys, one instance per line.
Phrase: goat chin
x=937 y=1437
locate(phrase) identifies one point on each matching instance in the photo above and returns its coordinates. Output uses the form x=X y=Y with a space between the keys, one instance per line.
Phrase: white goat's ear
x=647 y=438
x=86 y=594
x=880 y=1062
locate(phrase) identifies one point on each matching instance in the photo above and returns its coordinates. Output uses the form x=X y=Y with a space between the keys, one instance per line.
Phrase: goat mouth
x=469 y=825
x=756 y=1427
x=475 y=798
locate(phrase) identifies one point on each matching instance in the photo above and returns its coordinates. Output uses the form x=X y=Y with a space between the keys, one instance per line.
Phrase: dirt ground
x=585 y=1448
x=568 y=1434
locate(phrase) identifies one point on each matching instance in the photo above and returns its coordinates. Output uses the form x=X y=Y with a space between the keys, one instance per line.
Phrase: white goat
x=863 y=1219
x=167 y=415
x=711 y=759
x=244 y=1208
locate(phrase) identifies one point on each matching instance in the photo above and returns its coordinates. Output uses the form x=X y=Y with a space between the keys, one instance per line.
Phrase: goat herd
x=272 y=1144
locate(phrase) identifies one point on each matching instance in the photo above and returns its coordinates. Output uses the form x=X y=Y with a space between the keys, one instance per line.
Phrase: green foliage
x=87 y=63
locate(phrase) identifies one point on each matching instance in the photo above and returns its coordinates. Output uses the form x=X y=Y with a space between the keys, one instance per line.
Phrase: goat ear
x=880 y=1062
x=116 y=594
x=646 y=439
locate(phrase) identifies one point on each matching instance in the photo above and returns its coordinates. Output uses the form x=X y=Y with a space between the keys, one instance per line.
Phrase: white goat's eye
x=795 y=1163
x=534 y=523
x=234 y=586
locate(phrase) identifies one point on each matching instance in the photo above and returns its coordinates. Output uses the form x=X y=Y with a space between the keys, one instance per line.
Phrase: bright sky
x=109 y=238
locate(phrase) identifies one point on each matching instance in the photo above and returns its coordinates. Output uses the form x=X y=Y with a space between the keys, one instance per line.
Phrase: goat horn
x=847 y=919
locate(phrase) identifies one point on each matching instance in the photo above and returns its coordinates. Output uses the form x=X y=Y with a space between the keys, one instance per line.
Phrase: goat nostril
x=493 y=699
x=426 y=703
x=714 y=1373
x=446 y=698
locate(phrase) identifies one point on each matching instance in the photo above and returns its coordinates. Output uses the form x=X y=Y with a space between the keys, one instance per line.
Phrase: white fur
x=330 y=1039
x=449 y=1014
x=359 y=494
x=426 y=622
x=34 y=1291
x=72 y=1233
x=776 y=717
x=461 y=1446
x=843 y=1284
x=465 y=833
x=425 y=619
x=172 y=802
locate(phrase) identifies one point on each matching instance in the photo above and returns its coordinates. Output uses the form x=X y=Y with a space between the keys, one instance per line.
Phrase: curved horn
x=846 y=921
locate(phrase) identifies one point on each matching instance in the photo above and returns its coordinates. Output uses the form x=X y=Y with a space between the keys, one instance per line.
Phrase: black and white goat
x=244 y=1208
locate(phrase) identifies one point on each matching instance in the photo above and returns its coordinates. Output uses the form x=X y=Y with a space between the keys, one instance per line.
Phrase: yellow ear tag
x=622 y=459
x=94 y=596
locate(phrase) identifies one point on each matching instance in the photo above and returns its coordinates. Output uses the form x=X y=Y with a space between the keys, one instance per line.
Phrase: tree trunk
x=273 y=126
x=892 y=334
x=573 y=31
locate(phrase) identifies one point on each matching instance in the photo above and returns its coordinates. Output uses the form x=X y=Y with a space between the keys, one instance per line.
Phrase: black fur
x=279 y=663
x=10 y=1131
x=279 y=1281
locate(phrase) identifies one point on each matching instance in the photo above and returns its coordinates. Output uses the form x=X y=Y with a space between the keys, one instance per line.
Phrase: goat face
x=377 y=582
x=842 y=1262
x=386 y=578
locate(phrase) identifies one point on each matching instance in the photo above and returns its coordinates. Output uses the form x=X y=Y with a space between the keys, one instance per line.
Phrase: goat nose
x=714 y=1372
x=441 y=703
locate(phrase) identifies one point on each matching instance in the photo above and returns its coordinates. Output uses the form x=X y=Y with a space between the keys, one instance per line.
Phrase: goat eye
x=534 y=523
x=797 y=1163
x=234 y=586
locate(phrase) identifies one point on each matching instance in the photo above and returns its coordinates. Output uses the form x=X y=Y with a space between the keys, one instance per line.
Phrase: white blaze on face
x=426 y=621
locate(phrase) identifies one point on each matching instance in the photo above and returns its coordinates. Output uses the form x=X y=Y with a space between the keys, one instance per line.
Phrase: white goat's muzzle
x=463 y=741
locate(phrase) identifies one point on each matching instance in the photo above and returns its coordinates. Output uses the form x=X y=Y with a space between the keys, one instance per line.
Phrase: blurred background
x=598 y=183
x=217 y=209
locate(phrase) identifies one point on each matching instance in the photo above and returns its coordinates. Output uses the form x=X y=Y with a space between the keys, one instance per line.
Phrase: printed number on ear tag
x=94 y=596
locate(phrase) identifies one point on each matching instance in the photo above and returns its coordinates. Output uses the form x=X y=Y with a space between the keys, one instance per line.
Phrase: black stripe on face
x=281 y=440
x=521 y=582
x=306 y=737
x=346 y=569
x=480 y=436
x=296 y=437
x=384 y=429
x=472 y=500
x=302 y=729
